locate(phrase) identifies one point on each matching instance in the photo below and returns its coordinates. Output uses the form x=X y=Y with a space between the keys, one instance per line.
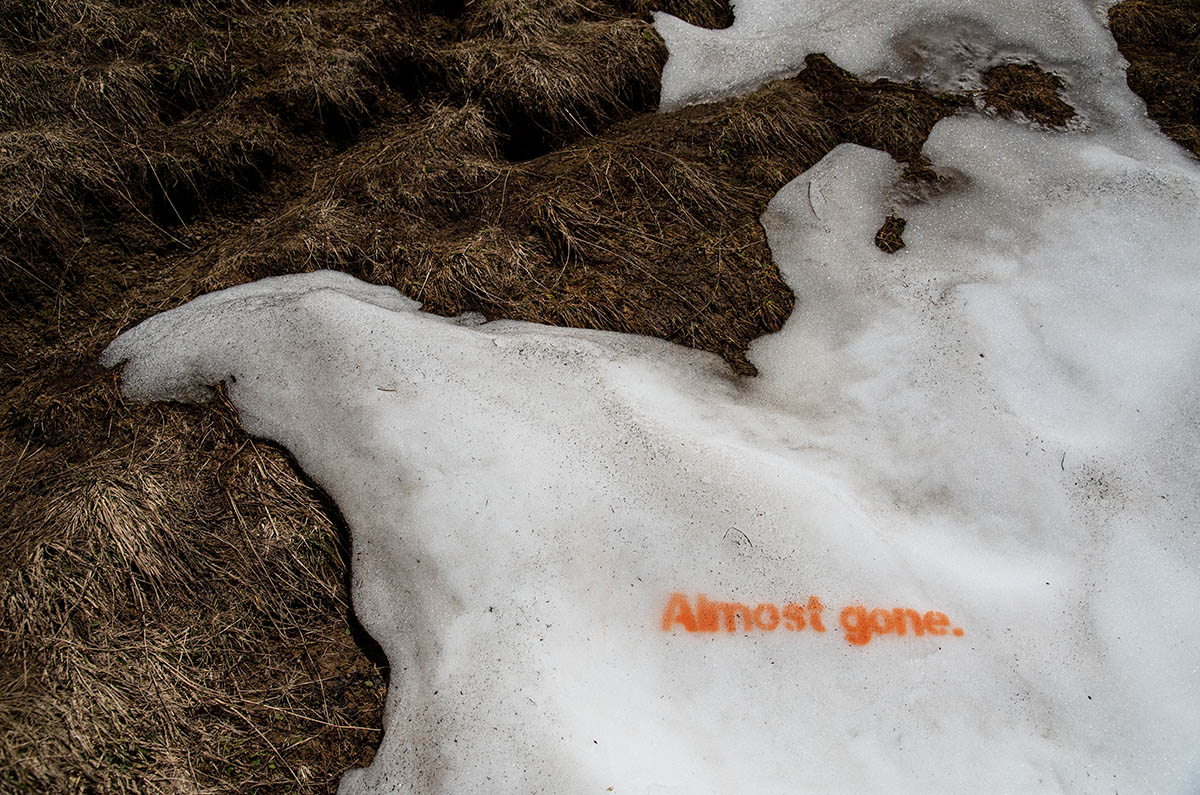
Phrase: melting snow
x=998 y=424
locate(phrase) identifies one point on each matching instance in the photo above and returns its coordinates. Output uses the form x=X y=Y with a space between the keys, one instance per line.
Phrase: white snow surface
x=1000 y=422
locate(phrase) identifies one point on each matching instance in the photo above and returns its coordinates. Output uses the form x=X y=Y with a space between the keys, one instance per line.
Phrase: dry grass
x=885 y=115
x=173 y=606
x=529 y=21
x=1161 y=41
x=1027 y=89
x=648 y=227
x=45 y=171
x=569 y=83
x=1159 y=24
x=704 y=13
x=774 y=133
x=142 y=110
x=228 y=151
x=435 y=167
x=889 y=238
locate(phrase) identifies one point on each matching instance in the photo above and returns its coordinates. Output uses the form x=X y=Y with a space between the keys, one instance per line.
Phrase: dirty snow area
x=945 y=541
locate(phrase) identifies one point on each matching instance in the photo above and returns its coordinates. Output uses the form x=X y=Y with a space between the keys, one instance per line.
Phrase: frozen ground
x=994 y=431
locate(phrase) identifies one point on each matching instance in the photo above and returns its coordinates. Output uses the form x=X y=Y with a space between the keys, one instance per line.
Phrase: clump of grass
x=562 y=87
x=1159 y=24
x=327 y=87
x=174 y=607
x=435 y=167
x=775 y=132
x=46 y=172
x=335 y=76
x=1026 y=88
x=115 y=94
x=894 y=117
x=226 y=152
x=890 y=238
x=528 y=21
x=1161 y=41
x=305 y=236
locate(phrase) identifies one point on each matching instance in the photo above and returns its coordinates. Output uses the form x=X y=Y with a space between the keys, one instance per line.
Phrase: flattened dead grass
x=648 y=227
x=1026 y=88
x=45 y=171
x=1161 y=41
x=702 y=13
x=890 y=238
x=571 y=82
x=167 y=594
x=144 y=112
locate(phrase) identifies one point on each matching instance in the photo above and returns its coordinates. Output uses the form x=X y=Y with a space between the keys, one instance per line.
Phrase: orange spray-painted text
x=858 y=623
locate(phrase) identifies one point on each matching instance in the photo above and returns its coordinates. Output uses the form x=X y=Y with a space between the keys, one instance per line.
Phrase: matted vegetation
x=175 y=610
x=890 y=238
x=1161 y=41
x=649 y=226
x=1027 y=89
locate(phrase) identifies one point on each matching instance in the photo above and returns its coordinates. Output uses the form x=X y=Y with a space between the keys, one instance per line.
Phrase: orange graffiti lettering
x=859 y=623
x=905 y=616
x=793 y=616
x=936 y=623
x=711 y=616
x=766 y=616
x=679 y=611
x=814 y=613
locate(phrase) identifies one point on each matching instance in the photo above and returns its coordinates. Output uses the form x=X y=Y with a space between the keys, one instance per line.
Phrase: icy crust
x=998 y=422
x=190 y=378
